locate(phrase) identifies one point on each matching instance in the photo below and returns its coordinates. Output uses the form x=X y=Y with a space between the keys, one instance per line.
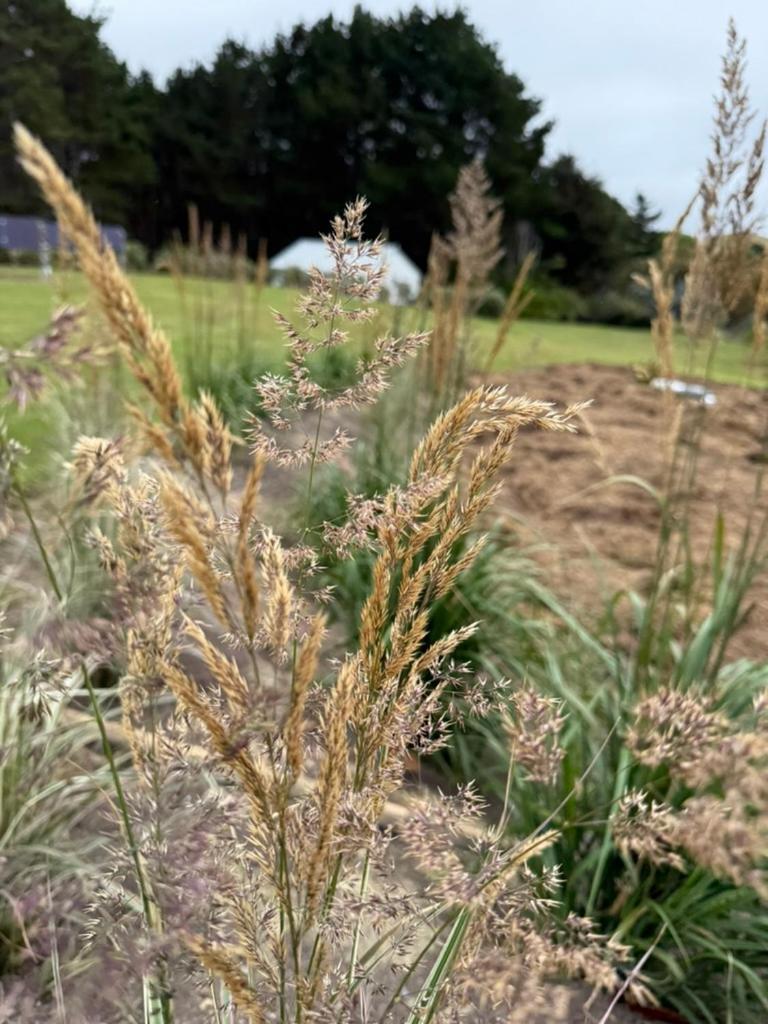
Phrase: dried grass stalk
x=291 y=879
x=517 y=300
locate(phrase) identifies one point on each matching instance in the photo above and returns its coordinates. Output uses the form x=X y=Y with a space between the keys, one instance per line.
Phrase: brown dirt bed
x=593 y=544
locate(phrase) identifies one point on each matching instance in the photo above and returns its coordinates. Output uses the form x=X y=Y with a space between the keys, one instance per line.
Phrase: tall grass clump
x=722 y=281
x=48 y=782
x=458 y=275
x=499 y=592
x=256 y=881
x=219 y=291
x=664 y=842
x=59 y=375
x=223 y=319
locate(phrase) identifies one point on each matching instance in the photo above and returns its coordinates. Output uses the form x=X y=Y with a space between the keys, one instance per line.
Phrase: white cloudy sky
x=628 y=83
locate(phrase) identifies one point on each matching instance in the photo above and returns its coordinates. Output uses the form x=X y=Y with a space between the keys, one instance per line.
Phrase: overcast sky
x=627 y=82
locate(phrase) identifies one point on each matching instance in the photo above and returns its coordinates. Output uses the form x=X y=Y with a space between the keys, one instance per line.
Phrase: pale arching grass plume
x=293 y=882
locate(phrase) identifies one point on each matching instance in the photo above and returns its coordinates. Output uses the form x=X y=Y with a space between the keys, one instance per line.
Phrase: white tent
x=402 y=280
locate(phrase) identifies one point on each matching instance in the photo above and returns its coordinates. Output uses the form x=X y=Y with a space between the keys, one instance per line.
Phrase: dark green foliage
x=20 y=257
x=492 y=304
x=231 y=381
x=552 y=301
x=585 y=232
x=645 y=239
x=274 y=142
x=626 y=307
x=374 y=106
x=136 y=257
x=60 y=80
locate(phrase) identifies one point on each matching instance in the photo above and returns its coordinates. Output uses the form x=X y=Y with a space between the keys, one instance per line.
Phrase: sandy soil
x=603 y=539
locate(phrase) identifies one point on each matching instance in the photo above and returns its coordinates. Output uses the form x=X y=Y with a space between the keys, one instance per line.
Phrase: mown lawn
x=206 y=324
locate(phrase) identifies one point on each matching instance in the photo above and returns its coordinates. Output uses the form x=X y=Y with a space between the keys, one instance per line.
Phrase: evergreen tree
x=586 y=233
x=644 y=238
x=278 y=141
x=274 y=142
x=60 y=80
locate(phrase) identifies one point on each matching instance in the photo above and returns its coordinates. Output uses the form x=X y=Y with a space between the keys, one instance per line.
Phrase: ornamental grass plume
x=717 y=766
x=517 y=301
x=732 y=175
x=532 y=730
x=269 y=888
x=723 y=273
x=53 y=353
x=661 y=283
x=465 y=258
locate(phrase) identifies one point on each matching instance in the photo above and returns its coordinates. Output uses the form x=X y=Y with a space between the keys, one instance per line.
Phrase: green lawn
x=207 y=311
x=224 y=340
x=545 y=343
x=206 y=325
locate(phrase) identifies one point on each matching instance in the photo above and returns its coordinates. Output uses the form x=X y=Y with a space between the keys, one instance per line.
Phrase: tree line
x=274 y=141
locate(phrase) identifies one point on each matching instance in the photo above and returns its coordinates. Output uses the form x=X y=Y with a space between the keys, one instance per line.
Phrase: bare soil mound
x=600 y=539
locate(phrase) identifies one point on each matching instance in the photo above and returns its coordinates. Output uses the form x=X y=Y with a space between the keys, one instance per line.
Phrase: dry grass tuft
x=287 y=902
x=465 y=260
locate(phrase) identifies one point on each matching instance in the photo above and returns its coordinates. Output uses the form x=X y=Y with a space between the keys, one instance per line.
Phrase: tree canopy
x=60 y=80
x=281 y=139
x=273 y=142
